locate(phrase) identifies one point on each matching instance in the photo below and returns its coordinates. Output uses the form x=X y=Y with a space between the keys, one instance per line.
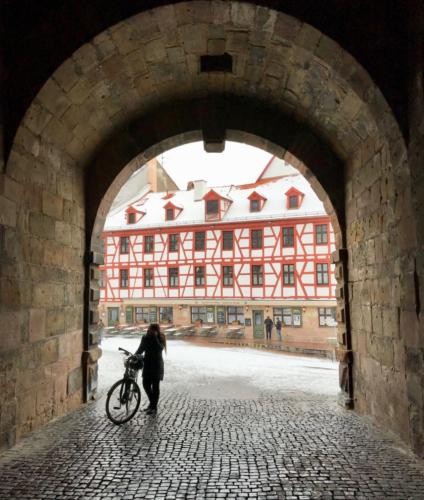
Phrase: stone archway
x=87 y=123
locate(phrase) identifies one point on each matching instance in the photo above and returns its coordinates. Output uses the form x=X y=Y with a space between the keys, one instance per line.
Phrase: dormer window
x=212 y=207
x=294 y=198
x=216 y=205
x=133 y=215
x=257 y=201
x=172 y=211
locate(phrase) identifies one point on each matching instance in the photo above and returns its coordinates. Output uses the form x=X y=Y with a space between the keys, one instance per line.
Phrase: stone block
x=286 y=28
x=8 y=212
x=52 y=205
x=74 y=381
x=55 y=321
x=37 y=118
x=37 y=324
x=63 y=232
x=216 y=46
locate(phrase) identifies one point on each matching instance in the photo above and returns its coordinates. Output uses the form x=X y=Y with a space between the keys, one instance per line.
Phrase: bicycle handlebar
x=128 y=353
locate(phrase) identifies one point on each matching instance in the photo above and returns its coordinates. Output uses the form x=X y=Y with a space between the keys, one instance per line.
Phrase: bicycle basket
x=135 y=362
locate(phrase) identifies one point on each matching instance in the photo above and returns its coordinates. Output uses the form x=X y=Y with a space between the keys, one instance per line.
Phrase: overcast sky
x=238 y=164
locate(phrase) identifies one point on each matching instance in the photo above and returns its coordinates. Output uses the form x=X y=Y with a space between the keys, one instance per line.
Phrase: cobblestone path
x=278 y=445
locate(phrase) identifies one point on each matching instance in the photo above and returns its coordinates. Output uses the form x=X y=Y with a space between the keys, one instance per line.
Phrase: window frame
x=151 y=280
x=289 y=201
x=291 y=314
x=131 y=218
x=236 y=313
x=255 y=205
x=291 y=273
x=212 y=201
x=196 y=284
x=197 y=239
x=124 y=282
x=151 y=247
x=287 y=228
x=224 y=240
x=125 y=245
x=161 y=319
x=322 y=273
x=229 y=278
x=319 y=235
x=169 y=211
x=171 y=279
x=171 y=248
x=254 y=238
x=259 y=276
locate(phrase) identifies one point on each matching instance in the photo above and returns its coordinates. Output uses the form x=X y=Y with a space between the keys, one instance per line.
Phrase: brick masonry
x=85 y=117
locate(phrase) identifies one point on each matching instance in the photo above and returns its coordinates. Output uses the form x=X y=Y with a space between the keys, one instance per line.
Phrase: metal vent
x=222 y=63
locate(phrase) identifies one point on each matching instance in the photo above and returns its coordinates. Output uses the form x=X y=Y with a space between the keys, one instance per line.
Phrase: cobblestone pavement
x=279 y=444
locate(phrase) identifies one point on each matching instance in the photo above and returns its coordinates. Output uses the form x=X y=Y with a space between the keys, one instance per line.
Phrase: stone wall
x=41 y=283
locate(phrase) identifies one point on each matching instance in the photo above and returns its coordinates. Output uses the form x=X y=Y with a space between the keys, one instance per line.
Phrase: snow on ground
x=207 y=371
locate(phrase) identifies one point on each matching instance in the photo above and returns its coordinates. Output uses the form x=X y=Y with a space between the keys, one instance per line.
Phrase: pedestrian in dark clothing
x=278 y=326
x=268 y=327
x=152 y=345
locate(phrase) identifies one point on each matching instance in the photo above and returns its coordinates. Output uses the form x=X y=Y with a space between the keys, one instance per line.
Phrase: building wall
x=304 y=255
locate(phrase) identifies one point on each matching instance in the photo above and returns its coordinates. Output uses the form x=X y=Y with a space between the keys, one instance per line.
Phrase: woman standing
x=152 y=345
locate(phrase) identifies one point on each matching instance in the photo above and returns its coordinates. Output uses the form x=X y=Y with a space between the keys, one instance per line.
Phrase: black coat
x=152 y=348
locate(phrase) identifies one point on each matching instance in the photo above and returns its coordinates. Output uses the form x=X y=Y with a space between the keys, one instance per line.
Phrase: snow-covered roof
x=193 y=212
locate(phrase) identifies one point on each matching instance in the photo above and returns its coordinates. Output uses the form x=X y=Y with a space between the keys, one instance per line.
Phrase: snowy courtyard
x=216 y=372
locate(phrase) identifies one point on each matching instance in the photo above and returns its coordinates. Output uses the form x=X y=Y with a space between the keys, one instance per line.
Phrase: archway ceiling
x=153 y=58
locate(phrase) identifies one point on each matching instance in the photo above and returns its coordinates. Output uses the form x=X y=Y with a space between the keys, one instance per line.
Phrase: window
x=235 y=314
x=203 y=314
x=327 y=316
x=173 y=242
x=165 y=315
x=256 y=238
x=199 y=240
x=123 y=278
x=227 y=273
x=293 y=201
x=322 y=274
x=148 y=277
x=255 y=205
x=131 y=218
x=124 y=244
x=257 y=276
x=321 y=236
x=173 y=277
x=291 y=316
x=220 y=315
x=212 y=207
x=288 y=274
x=227 y=240
x=199 y=276
x=149 y=244
x=288 y=236
x=146 y=314
x=169 y=214
x=102 y=279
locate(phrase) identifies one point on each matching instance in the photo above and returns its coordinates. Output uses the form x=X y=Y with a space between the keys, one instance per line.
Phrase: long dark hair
x=154 y=329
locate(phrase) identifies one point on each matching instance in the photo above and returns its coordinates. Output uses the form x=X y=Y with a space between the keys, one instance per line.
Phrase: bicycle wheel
x=123 y=400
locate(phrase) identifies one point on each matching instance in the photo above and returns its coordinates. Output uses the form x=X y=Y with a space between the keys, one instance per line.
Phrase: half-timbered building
x=222 y=256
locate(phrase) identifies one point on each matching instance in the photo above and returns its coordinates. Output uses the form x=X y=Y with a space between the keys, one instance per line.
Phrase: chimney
x=199 y=189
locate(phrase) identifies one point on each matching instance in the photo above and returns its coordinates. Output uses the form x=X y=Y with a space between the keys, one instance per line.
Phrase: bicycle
x=123 y=398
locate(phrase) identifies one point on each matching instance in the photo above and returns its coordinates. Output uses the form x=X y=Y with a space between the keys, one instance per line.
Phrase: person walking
x=278 y=326
x=152 y=344
x=268 y=327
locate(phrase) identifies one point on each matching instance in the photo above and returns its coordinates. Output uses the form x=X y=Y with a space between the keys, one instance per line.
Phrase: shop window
x=203 y=314
x=146 y=314
x=166 y=315
x=292 y=316
x=327 y=316
x=235 y=314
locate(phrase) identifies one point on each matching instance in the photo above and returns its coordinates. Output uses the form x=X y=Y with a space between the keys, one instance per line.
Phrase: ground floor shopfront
x=312 y=322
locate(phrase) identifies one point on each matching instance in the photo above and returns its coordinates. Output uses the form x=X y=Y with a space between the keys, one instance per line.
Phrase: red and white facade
x=265 y=245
